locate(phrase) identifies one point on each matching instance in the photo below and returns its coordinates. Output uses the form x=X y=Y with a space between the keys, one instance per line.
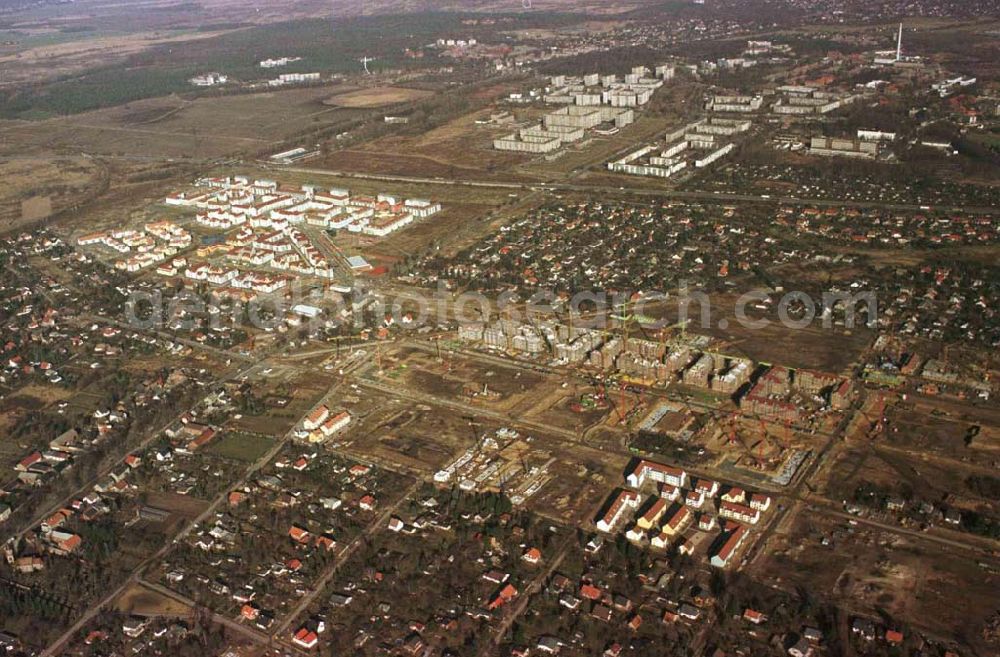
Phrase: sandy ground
x=377 y=97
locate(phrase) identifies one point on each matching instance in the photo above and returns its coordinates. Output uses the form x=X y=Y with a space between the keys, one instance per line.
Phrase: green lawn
x=239 y=446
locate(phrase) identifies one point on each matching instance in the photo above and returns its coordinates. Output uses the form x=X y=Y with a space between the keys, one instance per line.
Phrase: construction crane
x=599 y=387
x=541 y=334
x=337 y=340
x=736 y=439
x=662 y=348
x=627 y=318
x=565 y=316
x=767 y=434
x=620 y=406
x=605 y=392
x=731 y=422
x=681 y=339
x=624 y=387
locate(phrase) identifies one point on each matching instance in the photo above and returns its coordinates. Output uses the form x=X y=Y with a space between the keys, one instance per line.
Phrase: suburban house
x=305 y=638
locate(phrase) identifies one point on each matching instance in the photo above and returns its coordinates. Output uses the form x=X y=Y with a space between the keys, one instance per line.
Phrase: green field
x=239 y=446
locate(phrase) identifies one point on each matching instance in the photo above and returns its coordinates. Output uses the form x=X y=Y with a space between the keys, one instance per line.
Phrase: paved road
x=791 y=493
x=346 y=347
x=828 y=509
x=151 y=434
x=678 y=194
x=466 y=409
x=321 y=240
x=525 y=597
x=281 y=634
x=94 y=609
x=248 y=632
x=165 y=335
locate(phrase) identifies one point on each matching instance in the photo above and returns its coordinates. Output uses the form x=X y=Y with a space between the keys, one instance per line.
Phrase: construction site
x=499 y=463
x=762 y=451
x=486 y=424
x=677 y=396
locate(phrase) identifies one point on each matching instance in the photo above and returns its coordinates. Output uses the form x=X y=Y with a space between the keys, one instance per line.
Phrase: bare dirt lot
x=945 y=428
x=376 y=97
x=183 y=506
x=582 y=479
x=560 y=406
x=460 y=377
x=896 y=472
x=867 y=569
x=142 y=601
x=461 y=149
x=831 y=349
x=34 y=187
x=427 y=412
x=406 y=436
x=412 y=164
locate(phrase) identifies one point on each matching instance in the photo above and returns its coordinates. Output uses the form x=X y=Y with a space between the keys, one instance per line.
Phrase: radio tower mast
x=899 y=44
